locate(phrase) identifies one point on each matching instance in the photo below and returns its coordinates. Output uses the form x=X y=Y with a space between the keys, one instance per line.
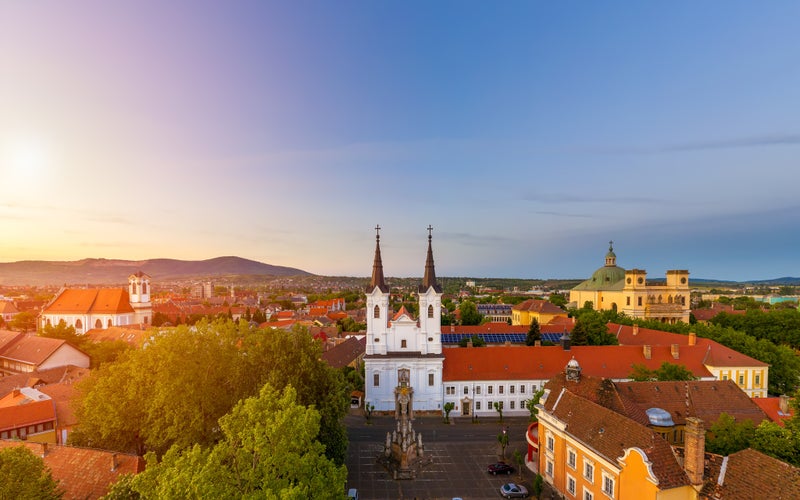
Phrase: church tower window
x=376 y=313
x=144 y=288
x=430 y=311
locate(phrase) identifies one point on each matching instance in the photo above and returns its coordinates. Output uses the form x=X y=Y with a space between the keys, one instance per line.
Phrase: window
x=571 y=459
x=490 y=405
x=534 y=388
x=466 y=390
x=430 y=379
x=724 y=377
x=522 y=389
x=403 y=344
x=627 y=300
x=639 y=301
x=450 y=390
x=477 y=405
x=489 y=389
x=499 y=389
x=550 y=468
x=512 y=405
x=757 y=380
x=741 y=379
x=109 y=322
x=588 y=471
x=551 y=443
x=511 y=389
x=376 y=379
x=478 y=389
x=98 y=323
x=587 y=495
x=430 y=311
x=571 y=485
x=78 y=324
x=376 y=313
x=608 y=485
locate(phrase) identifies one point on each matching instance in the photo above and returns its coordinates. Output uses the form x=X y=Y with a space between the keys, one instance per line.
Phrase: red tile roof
x=62 y=395
x=402 y=312
x=91 y=301
x=539 y=306
x=63 y=374
x=772 y=407
x=752 y=474
x=83 y=473
x=32 y=350
x=135 y=335
x=543 y=363
x=345 y=353
x=7 y=307
x=32 y=413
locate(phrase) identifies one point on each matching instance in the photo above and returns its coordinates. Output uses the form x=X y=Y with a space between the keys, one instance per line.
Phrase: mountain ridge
x=103 y=271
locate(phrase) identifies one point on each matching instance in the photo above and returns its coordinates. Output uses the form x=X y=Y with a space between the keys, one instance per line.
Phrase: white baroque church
x=403 y=351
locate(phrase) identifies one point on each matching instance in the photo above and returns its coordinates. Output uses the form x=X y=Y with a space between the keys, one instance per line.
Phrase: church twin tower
x=401 y=348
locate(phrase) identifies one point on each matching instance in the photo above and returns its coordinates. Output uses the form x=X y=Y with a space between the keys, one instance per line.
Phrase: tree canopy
x=175 y=390
x=666 y=372
x=24 y=476
x=469 y=313
x=534 y=333
x=269 y=449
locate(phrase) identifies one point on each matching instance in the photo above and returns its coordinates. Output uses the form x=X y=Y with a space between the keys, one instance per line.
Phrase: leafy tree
x=470 y=314
x=558 y=299
x=519 y=460
x=666 y=372
x=531 y=405
x=502 y=438
x=24 y=321
x=269 y=449
x=175 y=391
x=476 y=341
x=726 y=436
x=368 y=409
x=448 y=407
x=259 y=316
x=498 y=406
x=159 y=318
x=534 y=333
x=24 y=476
x=777 y=441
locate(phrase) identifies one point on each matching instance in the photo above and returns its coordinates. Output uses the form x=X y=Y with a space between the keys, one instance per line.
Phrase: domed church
x=627 y=291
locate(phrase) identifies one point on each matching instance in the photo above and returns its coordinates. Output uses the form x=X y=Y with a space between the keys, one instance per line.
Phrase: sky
x=528 y=134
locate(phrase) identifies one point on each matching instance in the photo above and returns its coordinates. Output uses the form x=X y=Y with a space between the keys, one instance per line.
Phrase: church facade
x=403 y=351
x=627 y=291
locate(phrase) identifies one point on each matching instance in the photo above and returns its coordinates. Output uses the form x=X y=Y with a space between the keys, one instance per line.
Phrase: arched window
x=109 y=324
x=133 y=288
x=669 y=299
x=144 y=287
x=98 y=323
x=78 y=325
x=376 y=313
x=659 y=299
x=430 y=311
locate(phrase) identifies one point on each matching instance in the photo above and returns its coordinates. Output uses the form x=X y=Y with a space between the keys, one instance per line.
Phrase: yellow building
x=590 y=452
x=542 y=310
x=627 y=291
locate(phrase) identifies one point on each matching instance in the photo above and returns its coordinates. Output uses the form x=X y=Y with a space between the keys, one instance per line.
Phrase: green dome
x=608 y=275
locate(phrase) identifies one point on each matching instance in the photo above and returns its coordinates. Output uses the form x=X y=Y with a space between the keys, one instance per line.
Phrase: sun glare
x=24 y=159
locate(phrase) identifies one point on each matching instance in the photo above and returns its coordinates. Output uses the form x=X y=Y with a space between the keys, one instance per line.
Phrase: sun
x=24 y=159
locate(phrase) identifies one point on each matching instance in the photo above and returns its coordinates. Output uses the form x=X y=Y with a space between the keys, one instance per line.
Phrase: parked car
x=352 y=494
x=513 y=490
x=500 y=468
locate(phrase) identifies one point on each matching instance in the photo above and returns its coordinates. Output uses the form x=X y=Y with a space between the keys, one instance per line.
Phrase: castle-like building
x=401 y=348
x=627 y=291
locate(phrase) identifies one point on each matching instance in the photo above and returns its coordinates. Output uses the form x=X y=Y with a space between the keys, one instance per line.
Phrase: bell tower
x=430 y=305
x=139 y=292
x=377 y=295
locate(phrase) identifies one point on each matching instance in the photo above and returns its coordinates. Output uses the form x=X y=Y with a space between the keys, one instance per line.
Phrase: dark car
x=513 y=490
x=500 y=468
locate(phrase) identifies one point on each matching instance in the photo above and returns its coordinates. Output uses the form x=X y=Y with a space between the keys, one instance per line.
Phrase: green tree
x=519 y=460
x=470 y=314
x=175 y=391
x=448 y=407
x=498 y=407
x=534 y=333
x=368 y=409
x=666 y=372
x=502 y=439
x=476 y=341
x=538 y=485
x=777 y=441
x=24 y=476
x=24 y=321
x=558 y=299
x=531 y=405
x=726 y=436
x=269 y=449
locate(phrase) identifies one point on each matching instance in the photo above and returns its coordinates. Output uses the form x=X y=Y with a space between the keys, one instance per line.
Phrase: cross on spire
x=430 y=230
x=377 y=231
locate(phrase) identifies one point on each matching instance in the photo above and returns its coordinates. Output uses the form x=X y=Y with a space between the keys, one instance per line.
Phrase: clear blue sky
x=529 y=134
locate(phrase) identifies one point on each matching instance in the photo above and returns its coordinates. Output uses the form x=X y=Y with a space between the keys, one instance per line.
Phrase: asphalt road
x=459 y=452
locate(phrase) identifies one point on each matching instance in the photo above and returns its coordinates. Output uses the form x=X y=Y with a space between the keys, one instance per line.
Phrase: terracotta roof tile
x=33 y=350
x=539 y=306
x=91 y=301
x=752 y=474
x=35 y=412
x=772 y=408
x=63 y=374
x=345 y=353
x=83 y=473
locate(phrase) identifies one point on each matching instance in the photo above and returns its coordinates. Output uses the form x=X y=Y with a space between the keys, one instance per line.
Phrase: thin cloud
x=563 y=214
x=575 y=198
x=744 y=142
x=475 y=239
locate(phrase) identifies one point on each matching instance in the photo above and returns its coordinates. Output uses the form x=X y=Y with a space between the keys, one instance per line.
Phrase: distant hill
x=113 y=271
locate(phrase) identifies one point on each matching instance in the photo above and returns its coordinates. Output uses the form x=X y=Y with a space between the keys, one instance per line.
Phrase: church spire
x=377 y=267
x=429 y=280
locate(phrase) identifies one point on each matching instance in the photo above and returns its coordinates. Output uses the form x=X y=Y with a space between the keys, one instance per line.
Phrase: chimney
x=694 y=450
x=648 y=351
x=565 y=341
x=783 y=404
x=114 y=462
x=673 y=349
x=692 y=338
x=636 y=329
